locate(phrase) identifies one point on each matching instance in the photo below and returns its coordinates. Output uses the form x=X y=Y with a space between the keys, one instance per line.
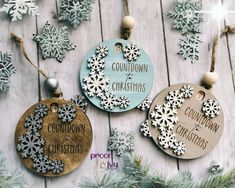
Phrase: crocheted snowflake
x=187 y=91
x=123 y=102
x=57 y=166
x=41 y=110
x=17 y=8
x=102 y=51
x=108 y=101
x=145 y=129
x=186 y=15
x=80 y=101
x=121 y=142
x=30 y=145
x=175 y=99
x=54 y=42
x=6 y=70
x=167 y=140
x=179 y=148
x=189 y=47
x=67 y=113
x=33 y=123
x=75 y=11
x=145 y=104
x=95 y=63
x=131 y=52
x=95 y=83
x=42 y=164
x=211 y=108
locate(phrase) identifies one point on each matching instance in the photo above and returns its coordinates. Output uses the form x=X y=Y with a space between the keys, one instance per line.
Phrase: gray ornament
x=51 y=84
x=215 y=168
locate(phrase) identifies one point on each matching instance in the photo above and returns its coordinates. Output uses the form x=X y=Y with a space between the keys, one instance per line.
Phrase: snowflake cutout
x=145 y=129
x=108 y=101
x=187 y=16
x=211 y=108
x=42 y=164
x=123 y=102
x=145 y=104
x=164 y=117
x=167 y=140
x=41 y=110
x=175 y=99
x=121 y=142
x=96 y=64
x=189 y=47
x=67 y=113
x=17 y=8
x=95 y=83
x=187 y=91
x=131 y=52
x=6 y=70
x=33 y=123
x=30 y=145
x=80 y=101
x=179 y=148
x=57 y=166
x=102 y=51
x=75 y=11
x=54 y=42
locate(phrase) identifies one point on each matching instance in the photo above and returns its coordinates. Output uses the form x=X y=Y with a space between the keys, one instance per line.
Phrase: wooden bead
x=128 y=22
x=210 y=78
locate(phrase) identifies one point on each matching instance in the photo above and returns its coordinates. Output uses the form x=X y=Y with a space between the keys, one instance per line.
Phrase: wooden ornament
x=53 y=137
x=194 y=130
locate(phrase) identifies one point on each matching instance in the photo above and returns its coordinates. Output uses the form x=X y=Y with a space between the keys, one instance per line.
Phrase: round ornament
x=53 y=137
x=186 y=121
x=116 y=75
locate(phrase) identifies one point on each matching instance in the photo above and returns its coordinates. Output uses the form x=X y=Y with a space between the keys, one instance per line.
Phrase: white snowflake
x=80 y=101
x=164 y=117
x=179 y=148
x=33 y=123
x=30 y=145
x=57 y=166
x=102 y=51
x=211 y=108
x=96 y=64
x=75 y=11
x=67 y=113
x=187 y=91
x=145 y=104
x=17 y=8
x=121 y=141
x=41 y=110
x=95 y=83
x=108 y=101
x=123 y=102
x=145 y=129
x=167 y=139
x=42 y=164
x=54 y=42
x=175 y=99
x=131 y=52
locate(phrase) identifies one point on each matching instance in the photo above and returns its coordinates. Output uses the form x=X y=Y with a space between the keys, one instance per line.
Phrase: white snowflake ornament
x=33 y=123
x=42 y=164
x=179 y=148
x=54 y=42
x=175 y=99
x=17 y=8
x=211 y=108
x=167 y=140
x=131 y=52
x=80 y=101
x=145 y=105
x=187 y=91
x=57 y=166
x=102 y=51
x=123 y=102
x=145 y=129
x=108 y=101
x=67 y=113
x=96 y=63
x=41 y=110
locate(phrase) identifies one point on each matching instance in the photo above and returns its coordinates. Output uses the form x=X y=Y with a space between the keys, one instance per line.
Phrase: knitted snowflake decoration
x=145 y=104
x=211 y=108
x=186 y=15
x=75 y=11
x=54 y=42
x=6 y=70
x=67 y=113
x=145 y=129
x=121 y=142
x=189 y=47
x=131 y=52
x=80 y=101
x=17 y=8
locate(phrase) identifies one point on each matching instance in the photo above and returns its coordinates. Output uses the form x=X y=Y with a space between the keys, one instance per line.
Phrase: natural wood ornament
x=53 y=137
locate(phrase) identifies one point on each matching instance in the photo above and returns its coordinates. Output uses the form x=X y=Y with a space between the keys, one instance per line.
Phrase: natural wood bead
x=210 y=78
x=128 y=22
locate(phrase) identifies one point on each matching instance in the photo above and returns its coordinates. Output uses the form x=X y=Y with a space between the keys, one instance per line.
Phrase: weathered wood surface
x=153 y=33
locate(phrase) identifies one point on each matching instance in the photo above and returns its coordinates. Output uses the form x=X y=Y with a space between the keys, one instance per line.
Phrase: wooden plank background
x=154 y=33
